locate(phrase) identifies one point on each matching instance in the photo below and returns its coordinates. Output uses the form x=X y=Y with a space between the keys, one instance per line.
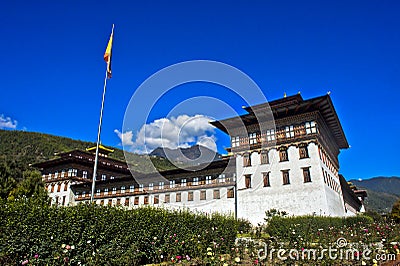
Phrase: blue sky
x=52 y=70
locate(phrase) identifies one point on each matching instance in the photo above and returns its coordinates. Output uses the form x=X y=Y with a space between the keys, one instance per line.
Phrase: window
x=105 y=191
x=103 y=177
x=264 y=157
x=84 y=174
x=136 y=201
x=285 y=176
x=146 y=199
x=253 y=138
x=140 y=187
x=208 y=180
x=183 y=182
x=98 y=192
x=112 y=177
x=172 y=183
x=190 y=196
x=235 y=142
x=83 y=194
x=221 y=178
x=195 y=181
x=131 y=188
x=52 y=188
x=126 y=202
x=270 y=134
x=118 y=202
x=311 y=127
x=114 y=190
x=303 y=150
x=283 y=154
x=65 y=186
x=156 y=199
x=203 y=195
x=69 y=172
x=151 y=186
x=58 y=187
x=161 y=185
x=56 y=174
x=246 y=160
x=167 y=198
x=63 y=200
x=75 y=172
x=101 y=202
x=123 y=189
x=247 y=181
x=178 y=197
x=63 y=173
x=266 y=179
x=216 y=194
x=289 y=130
x=230 y=193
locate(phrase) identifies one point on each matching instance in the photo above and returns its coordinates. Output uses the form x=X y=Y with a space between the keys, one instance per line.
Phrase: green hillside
x=383 y=192
x=19 y=149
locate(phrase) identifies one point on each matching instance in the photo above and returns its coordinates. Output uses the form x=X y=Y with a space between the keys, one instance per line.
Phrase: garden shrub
x=99 y=235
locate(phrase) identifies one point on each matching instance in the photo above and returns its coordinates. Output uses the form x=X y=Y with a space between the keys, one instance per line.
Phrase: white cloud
x=7 y=122
x=126 y=138
x=182 y=131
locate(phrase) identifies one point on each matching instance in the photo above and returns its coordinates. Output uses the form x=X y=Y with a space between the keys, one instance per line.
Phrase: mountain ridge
x=382 y=192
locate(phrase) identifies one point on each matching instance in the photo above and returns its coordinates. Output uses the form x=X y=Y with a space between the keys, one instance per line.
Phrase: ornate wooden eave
x=289 y=107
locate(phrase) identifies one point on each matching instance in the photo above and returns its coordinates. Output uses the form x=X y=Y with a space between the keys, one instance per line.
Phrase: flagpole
x=99 y=130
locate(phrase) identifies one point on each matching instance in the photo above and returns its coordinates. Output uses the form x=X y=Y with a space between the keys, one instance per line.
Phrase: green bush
x=309 y=227
x=97 y=235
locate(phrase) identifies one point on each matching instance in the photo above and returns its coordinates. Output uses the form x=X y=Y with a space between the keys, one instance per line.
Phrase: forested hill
x=18 y=149
x=383 y=192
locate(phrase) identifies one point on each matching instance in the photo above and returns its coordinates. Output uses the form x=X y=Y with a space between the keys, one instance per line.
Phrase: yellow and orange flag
x=107 y=54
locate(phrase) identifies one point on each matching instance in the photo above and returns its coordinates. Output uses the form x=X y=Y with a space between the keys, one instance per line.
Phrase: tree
x=396 y=211
x=31 y=186
x=7 y=182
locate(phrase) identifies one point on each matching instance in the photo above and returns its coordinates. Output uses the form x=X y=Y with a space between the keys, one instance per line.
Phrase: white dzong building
x=283 y=155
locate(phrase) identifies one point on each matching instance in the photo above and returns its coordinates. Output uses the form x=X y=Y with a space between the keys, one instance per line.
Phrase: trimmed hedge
x=98 y=235
x=308 y=227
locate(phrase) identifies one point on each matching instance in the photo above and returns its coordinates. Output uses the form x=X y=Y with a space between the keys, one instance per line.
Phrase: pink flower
x=36 y=256
x=67 y=247
x=178 y=257
x=25 y=262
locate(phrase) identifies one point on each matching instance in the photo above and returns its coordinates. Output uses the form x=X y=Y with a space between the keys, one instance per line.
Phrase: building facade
x=283 y=155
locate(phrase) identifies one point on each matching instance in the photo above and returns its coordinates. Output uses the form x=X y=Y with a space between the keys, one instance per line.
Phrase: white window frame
x=311 y=127
x=208 y=180
x=161 y=185
x=172 y=183
x=183 y=182
x=270 y=134
x=253 y=138
x=151 y=186
x=131 y=188
x=289 y=131
x=84 y=174
x=235 y=141
x=114 y=190
x=195 y=181
x=123 y=189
